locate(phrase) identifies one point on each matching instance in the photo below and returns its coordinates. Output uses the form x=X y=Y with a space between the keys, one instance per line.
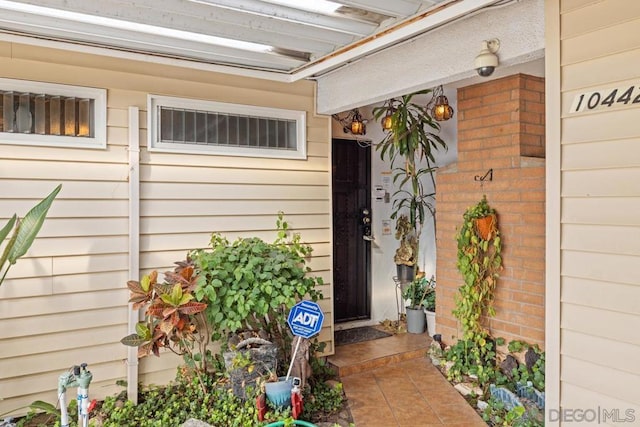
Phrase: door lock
x=365 y=222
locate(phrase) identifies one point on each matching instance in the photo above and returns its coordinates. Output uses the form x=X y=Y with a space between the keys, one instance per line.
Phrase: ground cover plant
x=506 y=383
x=185 y=398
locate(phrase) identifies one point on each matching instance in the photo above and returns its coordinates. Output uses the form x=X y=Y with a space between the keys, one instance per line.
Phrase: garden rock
x=508 y=365
x=466 y=389
x=531 y=357
x=263 y=359
x=192 y=422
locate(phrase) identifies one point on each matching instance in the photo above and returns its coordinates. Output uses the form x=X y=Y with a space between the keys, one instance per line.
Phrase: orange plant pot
x=485 y=226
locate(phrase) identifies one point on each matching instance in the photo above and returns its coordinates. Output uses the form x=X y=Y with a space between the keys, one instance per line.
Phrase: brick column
x=500 y=127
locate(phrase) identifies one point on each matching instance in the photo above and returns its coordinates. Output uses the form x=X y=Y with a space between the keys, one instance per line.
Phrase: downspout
x=134 y=245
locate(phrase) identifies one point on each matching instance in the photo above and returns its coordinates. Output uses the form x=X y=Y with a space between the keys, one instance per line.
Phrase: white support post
x=134 y=244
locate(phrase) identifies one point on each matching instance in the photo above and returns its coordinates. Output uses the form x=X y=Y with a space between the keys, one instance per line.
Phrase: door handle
x=365 y=222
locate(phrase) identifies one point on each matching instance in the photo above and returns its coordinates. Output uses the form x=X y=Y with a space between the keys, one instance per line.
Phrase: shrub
x=250 y=284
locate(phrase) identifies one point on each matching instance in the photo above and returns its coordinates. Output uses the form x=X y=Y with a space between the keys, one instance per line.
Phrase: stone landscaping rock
x=192 y=422
x=466 y=389
x=263 y=359
x=531 y=357
x=508 y=365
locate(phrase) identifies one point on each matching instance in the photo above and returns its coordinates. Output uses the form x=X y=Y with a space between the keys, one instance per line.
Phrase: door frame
x=368 y=275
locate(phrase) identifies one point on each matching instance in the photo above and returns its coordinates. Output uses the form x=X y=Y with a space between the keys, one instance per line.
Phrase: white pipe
x=293 y=357
x=134 y=244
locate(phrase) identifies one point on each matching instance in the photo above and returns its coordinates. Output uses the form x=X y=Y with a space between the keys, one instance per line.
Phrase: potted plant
x=412 y=139
x=430 y=307
x=415 y=294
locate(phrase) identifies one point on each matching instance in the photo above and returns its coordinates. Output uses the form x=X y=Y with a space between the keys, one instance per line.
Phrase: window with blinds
x=49 y=114
x=183 y=125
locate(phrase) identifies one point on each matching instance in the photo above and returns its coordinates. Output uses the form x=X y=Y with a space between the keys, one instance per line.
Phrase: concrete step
x=368 y=355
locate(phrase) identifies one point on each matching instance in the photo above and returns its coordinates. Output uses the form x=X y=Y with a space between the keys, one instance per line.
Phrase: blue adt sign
x=305 y=319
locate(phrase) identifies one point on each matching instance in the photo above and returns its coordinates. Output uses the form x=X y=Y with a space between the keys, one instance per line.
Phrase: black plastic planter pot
x=405 y=273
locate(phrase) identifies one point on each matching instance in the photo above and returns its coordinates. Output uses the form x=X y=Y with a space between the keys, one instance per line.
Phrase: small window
x=207 y=127
x=34 y=113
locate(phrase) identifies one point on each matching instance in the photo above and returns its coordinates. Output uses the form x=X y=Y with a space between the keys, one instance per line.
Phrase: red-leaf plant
x=172 y=319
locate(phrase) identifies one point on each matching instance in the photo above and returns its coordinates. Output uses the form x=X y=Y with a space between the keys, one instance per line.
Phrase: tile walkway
x=389 y=382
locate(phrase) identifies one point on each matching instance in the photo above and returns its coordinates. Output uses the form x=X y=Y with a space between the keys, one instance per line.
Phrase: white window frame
x=155 y=102
x=99 y=96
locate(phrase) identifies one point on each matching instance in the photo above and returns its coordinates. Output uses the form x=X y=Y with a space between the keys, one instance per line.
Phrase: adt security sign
x=305 y=319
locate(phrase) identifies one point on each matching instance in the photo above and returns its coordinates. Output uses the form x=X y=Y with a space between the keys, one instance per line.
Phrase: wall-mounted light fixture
x=352 y=123
x=487 y=60
x=439 y=105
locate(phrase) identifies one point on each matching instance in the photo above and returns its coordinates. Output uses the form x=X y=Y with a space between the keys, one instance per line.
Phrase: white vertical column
x=134 y=244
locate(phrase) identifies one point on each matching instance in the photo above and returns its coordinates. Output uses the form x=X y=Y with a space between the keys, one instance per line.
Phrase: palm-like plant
x=411 y=137
x=24 y=232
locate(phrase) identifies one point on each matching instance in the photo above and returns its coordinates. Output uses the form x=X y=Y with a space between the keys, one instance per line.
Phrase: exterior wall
x=500 y=125
x=596 y=47
x=66 y=302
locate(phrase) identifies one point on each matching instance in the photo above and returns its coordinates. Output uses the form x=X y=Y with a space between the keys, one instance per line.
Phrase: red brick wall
x=500 y=126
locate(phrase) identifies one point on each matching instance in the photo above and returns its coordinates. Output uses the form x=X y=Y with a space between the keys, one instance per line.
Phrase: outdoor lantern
x=387 y=121
x=352 y=123
x=357 y=124
x=439 y=106
x=442 y=111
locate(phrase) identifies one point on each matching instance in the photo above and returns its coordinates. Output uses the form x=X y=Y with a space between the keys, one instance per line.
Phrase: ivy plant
x=250 y=284
x=479 y=263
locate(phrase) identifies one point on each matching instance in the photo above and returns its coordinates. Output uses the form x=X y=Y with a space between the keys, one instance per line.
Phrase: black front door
x=351 y=226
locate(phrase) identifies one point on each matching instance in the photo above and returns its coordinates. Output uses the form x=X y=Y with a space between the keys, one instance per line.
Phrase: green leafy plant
x=323 y=398
x=170 y=315
x=417 y=291
x=497 y=414
x=250 y=284
x=470 y=360
x=479 y=263
x=412 y=138
x=24 y=232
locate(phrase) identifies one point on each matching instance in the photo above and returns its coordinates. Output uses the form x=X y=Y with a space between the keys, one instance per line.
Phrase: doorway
x=351 y=178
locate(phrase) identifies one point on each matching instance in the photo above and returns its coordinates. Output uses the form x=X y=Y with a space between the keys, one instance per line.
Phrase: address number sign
x=605 y=99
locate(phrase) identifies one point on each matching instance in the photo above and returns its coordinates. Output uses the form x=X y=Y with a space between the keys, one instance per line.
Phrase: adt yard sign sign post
x=305 y=320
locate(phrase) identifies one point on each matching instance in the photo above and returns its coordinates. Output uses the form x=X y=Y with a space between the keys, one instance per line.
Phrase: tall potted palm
x=410 y=146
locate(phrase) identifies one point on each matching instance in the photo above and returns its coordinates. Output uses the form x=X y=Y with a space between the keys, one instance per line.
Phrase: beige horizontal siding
x=600 y=126
x=72 y=283
x=603 y=377
x=621 y=355
x=583 y=398
x=588 y=210
x=580 y=21
x=600 y=209
x=606 y=239
x=599 y=266
x=620 y=153
x=602 y=41
x=612 y=68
